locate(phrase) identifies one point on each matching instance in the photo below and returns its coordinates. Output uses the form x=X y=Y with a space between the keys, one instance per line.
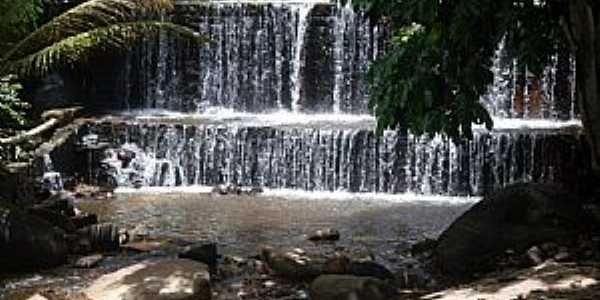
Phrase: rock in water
x=202 y=252
x=328 y=234
x=89 y=261
x=344 y=265
x=28 y=242
x=169 y=279
x=61 y=203
x=347 y=287
x=517 y=218
x=84 y=220
x=52 y=181
x=102 y=237
x=37 y=297
x=370 y=269
x=290 y=265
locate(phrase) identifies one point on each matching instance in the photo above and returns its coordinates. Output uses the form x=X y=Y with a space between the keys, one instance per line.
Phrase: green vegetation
x=74 y=38
x=11 y=106
x=440 y=58
x=17 y=19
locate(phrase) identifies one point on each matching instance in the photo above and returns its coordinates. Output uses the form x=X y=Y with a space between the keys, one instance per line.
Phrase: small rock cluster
x=233 y=189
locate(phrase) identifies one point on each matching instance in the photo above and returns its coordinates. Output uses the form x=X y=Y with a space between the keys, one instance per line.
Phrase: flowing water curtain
x=516 y=93
x=353 y=160
x=257 y=60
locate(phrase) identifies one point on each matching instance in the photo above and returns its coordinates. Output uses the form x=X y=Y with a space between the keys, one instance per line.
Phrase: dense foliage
x=439 y=60
x=11 y=106
x=96 y=27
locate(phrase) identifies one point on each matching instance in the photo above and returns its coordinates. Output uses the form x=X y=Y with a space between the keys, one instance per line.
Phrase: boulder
x=348 y=287
x=28 y=242
x=517 y=217
x=168 y=279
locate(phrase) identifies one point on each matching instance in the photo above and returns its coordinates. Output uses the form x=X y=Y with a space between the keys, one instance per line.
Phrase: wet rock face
x=168 y=279
x=28 y=242
x=516 y=218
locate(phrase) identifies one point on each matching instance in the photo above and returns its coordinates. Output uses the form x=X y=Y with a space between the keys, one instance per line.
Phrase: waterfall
x=344 y=16
x=352 y=160
x=301 y=12
x=517 y=93
x=51 y=180
x=256 y=60
x=279 y=99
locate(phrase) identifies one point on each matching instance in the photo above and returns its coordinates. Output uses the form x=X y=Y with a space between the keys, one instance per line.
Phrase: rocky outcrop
x=515 y=218
x=29 y=242
x=169 y=279
x=347 y=287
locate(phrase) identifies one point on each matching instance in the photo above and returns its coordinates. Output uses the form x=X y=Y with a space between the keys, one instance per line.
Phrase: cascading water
x=516 y=93
x=255 y=61
x=280 y=69
x=301 y=13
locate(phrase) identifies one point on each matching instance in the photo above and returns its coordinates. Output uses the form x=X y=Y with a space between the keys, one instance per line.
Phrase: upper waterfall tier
x=301 y=57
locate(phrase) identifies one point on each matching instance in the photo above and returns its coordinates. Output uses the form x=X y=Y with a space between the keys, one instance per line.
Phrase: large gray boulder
x=514 y=218
x=28 y=242
x=348 y=287
x=168 y=279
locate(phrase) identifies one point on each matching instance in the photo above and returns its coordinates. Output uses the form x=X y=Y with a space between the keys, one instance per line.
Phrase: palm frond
x=82 y=18
x=81 y=48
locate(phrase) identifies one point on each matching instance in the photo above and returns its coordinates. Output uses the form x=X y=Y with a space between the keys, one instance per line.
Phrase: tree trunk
x=586 y=38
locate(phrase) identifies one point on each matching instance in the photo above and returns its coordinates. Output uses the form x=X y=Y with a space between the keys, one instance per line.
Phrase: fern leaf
x=81 y=48
x=82 y=18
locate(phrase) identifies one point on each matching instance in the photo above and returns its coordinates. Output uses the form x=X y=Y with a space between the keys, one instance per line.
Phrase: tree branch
x=53 y=118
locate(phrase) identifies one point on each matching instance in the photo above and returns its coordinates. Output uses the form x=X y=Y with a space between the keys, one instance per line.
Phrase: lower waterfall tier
x=335 y=159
